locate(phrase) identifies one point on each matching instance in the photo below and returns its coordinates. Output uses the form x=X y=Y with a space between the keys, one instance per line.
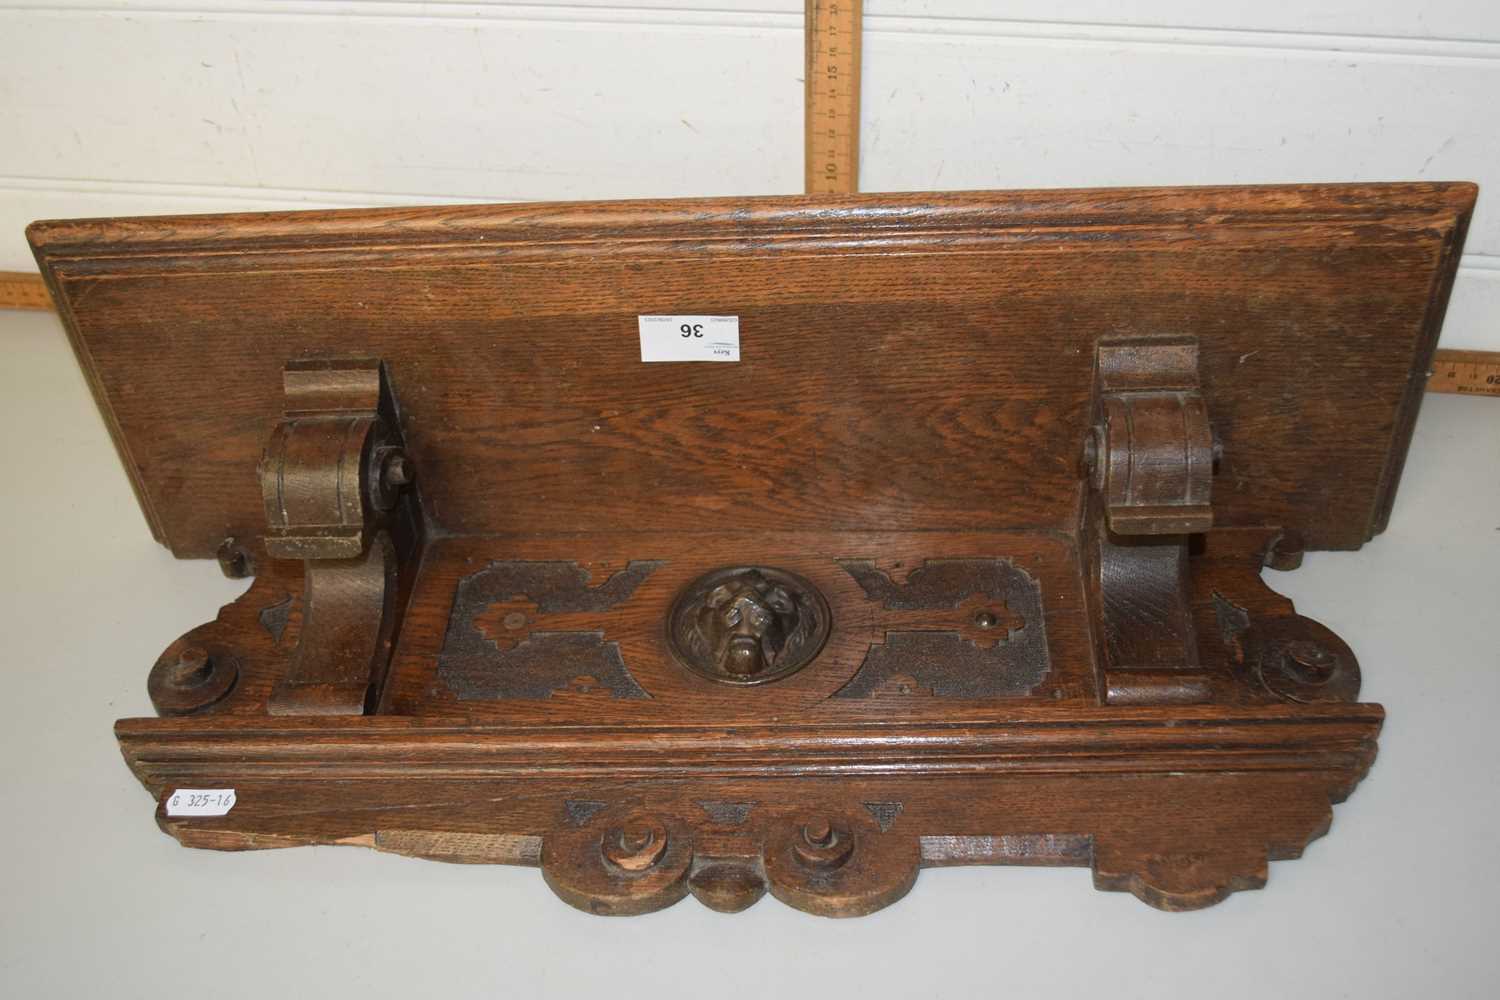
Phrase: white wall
x=142 y=106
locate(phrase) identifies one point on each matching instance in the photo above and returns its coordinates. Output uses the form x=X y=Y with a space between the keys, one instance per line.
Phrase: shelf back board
x=911 y=362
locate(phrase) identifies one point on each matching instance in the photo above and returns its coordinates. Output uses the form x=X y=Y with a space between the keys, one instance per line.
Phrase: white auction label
x=200 y=802
x=690 y=338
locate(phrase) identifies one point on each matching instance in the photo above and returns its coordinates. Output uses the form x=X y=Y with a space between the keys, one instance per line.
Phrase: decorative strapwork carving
x=963 y=628
x=1150 y=461
x=330 y=477
x=551 y=587
x=498 y=644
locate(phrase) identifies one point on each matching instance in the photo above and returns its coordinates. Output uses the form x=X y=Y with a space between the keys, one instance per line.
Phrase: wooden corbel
x=330 y=477
x=1150 y=460
x=1152 y=447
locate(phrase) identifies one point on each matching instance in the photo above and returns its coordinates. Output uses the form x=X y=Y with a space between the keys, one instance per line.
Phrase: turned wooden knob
x=635 y=847
x=823 y=844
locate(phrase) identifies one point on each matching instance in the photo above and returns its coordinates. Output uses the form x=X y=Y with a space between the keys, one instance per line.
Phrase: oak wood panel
x=878 y=333
x=1179 y=807
x=1021 y=739
x=19 y=290
x=677 y=694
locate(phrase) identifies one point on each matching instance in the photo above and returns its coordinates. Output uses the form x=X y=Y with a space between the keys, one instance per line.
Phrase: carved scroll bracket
x=1152 y=451
x=1150 y=460
x=330 y=478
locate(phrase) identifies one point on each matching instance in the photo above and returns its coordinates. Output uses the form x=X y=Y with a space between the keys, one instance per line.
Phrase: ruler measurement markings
x=1466 y=373
x=23 y=291
x=831 y=112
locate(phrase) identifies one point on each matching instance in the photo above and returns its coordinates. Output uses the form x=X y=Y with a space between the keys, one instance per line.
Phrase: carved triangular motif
x=274 y=618
x=885 y=813
x=580 y=811
x=732 y=813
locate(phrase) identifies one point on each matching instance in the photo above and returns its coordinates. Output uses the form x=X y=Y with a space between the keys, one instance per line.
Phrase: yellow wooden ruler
x=23 y=291
x=831 y=116
x=1470 y=373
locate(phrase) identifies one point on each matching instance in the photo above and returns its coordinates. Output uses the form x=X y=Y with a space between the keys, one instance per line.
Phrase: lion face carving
x=749 y=625
x=745 y=624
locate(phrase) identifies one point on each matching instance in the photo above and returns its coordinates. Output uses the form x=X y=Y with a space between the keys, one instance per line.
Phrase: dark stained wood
x=1152 y=453
x=29 y=291
x=1031 y=657
x=958 y=325
x=1178 y=806
x=331 y=477
x=637 y=624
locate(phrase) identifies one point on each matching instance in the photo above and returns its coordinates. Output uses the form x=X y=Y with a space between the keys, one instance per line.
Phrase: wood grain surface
x=879 y=333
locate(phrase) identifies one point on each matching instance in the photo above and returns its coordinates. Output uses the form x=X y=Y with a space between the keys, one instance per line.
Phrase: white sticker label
x=690 y=338
x=200 y=802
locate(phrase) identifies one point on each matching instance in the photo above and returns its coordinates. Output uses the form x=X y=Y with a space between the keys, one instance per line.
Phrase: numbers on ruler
x=832 y=95
x=1469 y=372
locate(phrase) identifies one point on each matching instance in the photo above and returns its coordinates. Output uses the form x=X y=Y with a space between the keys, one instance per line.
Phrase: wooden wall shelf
x=960 y=563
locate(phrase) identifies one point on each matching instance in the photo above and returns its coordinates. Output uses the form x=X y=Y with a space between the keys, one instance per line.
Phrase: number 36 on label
x=690 y=338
